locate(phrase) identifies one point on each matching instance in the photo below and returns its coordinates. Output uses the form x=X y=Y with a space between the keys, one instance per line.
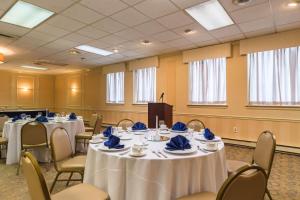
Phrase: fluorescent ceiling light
x=33 y=67
x=26 y=15
x=211 y=15
x=95 y=50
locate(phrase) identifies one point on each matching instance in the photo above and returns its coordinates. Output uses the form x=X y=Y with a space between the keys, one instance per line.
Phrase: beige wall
x=26 y=90
x=172 y=78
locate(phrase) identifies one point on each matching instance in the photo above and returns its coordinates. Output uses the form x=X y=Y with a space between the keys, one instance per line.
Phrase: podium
x=163 y=111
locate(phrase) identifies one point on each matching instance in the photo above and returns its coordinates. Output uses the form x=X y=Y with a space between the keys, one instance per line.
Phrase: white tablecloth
x=12 y=131
x=154 y=178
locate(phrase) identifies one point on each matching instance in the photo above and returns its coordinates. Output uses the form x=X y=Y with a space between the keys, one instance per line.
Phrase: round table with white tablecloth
x=152 y=177
x=12 y=131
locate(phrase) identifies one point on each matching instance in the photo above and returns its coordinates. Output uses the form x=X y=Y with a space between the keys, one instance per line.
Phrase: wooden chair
x=38 y=190
x=3 y=119
x=125 y=123
x=86 y=136
x=263 y=156
x=33 y=136
x=62 y=155
x=248 y=183
x=91 y=123
x=196 y=125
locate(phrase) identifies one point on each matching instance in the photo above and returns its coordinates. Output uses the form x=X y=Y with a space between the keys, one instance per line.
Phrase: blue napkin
x=41 y=119
x=208 y=134
x=16 y=118
x=139 y=126
x=72 y=116
x=179 y=126
x=107 y=132
x=113 y=142
x=178 y=143
x=51 y=114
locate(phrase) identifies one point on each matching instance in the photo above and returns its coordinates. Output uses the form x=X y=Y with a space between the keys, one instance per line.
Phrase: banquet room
x=149 y=99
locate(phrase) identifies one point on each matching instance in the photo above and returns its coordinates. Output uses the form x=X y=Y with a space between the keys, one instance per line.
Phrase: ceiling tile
x=257 y=24
x=41 y=36
x=61 y=45
x=6 y=4
x=51 y=30
x=284 y=14
x=132 y=2
x=229 y=6
x=150 y=28
x=75 y=37
x=290 y=26
x=99 y=44
x=82 y=14
x=112 y=40
x=251 y=13
x=65 y=23
x=260 y=32
x=182 y=42
x=130 y=17
x=199 y=36
x=175 y=20
x=195 y=27
x=109 y=25
x=13 y=30
x=105 y=7
x=92 y=32
x=166 y=36
x=206 y=43
x=187 y=3
x=130 y=34
x=156 y=8
x=53 y=5
x=232 y=38
x=226 y=31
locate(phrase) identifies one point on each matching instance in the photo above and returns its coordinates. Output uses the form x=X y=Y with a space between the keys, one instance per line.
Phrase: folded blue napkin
x=72 y=116
x=113 y=142
x=41 y=119
x=107 y=132
x=51 y=114
x=208 y=134
x=178 y=143
x=179 y=126
x=139 y=126
x=16 y=118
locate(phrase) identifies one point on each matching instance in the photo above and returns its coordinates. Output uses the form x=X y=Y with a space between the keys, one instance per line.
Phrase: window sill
x=114 y=104
x=273 y=107
x=209 y=105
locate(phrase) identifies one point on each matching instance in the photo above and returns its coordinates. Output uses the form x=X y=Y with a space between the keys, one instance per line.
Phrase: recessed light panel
x=34 y=67
x=211 y=15
x=26 y=15
x=94 y=50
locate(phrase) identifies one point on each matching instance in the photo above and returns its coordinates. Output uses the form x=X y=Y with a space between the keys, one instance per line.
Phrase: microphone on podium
x=162 y=97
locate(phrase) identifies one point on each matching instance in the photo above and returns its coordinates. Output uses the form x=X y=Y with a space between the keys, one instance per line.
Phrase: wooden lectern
x=163 y=111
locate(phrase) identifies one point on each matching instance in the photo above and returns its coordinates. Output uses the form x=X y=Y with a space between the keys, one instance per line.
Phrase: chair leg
x=69 y=179
x=55 y=179
x=75 y=145
x=81 y=174
x=269 y=194
x=19 y=165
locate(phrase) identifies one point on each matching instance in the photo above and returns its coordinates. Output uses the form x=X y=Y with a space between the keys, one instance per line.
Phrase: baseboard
x=250 y=144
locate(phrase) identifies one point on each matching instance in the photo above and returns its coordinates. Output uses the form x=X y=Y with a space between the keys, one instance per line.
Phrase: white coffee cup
x=163 y=126
x=96 y=138
x=129 y=129
x=213 y=146
x=120 y=129
x=137 y=149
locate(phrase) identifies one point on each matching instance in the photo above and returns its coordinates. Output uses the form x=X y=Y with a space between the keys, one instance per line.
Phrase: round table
x=155 y=178
x=12 y=131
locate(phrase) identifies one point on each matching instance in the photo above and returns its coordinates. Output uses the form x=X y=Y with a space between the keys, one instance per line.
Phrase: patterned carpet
x=284 y=182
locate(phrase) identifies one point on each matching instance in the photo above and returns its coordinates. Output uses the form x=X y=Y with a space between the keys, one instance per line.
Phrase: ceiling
x=123 y=24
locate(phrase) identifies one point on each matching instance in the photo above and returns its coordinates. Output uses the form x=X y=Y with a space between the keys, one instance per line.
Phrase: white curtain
x=207 y=81
x=144 y=85
x=115 y=87
x=274 y=77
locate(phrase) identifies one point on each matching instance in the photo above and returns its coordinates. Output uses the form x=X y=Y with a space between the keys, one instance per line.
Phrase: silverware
x=202 y=150
x=162 y=154
x=156 y=153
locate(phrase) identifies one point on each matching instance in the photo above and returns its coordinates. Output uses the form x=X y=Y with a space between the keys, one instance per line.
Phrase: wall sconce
x=25 y=89
x=74 y=90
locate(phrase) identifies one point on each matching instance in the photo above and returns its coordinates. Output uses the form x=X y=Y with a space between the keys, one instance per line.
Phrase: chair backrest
x=196 y=124
x=264 y=152
x=93 y=120
x=248 y=183
x=3 y=119
x=33 y=134
x=125 y=123
x=60 y=145
x=35 y=180
x=98 y=125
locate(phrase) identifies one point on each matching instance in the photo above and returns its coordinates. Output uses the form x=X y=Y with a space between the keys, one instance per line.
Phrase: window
x=274 y=77
x=144 y=85
x=207 y=81
x=115 y=87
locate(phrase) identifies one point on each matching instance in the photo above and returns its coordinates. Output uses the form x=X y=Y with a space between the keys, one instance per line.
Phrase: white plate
x=164 y=132
x=126 y=137
x=179 y=131
x=203 y=139
x=186 y=151
x=102 y=147
x=139 y=133
x=137 y=155
x=95 y=142
x=145 y=130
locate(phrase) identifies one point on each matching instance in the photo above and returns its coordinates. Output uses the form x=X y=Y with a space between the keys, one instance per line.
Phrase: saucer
x=137 y=155
x=95 y=141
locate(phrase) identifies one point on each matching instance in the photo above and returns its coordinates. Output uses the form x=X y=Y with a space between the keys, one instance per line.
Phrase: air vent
x=49 y=62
